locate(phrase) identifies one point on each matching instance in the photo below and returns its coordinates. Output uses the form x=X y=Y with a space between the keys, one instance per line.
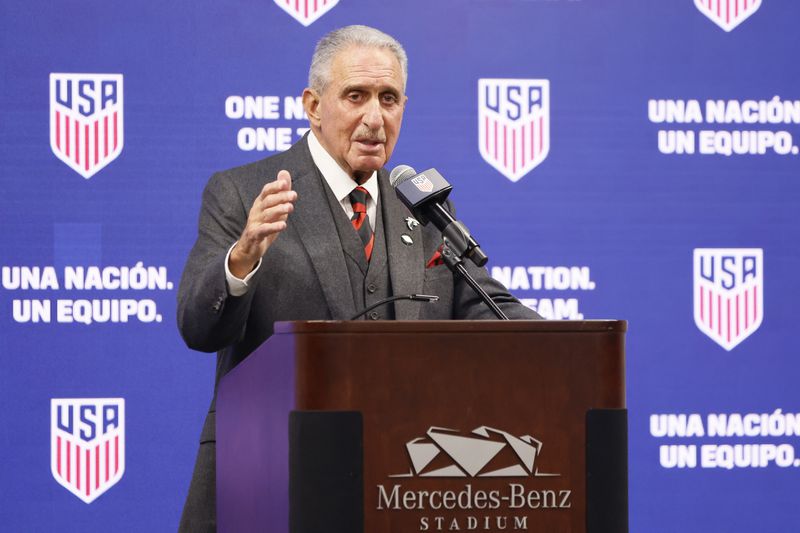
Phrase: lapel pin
x=407 y=240
x=411 y=223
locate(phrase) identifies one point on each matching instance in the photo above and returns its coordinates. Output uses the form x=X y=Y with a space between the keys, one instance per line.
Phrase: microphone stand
x=456 y=245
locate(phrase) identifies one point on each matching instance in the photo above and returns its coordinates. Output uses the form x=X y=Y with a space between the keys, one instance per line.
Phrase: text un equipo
x=728 y=456
x=137 y=277
x=86 y=311
x=728 y=143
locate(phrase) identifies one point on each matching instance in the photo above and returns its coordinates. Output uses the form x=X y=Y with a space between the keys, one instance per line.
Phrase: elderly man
x=316 y=232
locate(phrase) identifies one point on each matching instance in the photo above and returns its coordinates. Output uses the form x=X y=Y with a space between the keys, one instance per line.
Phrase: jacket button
x=373 y=315
x=371 y=288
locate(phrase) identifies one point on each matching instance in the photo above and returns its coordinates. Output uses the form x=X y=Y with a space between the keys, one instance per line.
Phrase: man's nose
x=373 y=114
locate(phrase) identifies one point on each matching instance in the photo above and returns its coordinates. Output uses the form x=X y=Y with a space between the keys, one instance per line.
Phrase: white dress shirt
x=340 y=183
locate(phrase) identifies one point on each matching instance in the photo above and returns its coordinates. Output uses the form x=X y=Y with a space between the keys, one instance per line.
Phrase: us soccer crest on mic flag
x=728 y=293
x=87 y=444
x=513 y=124
x=727 y=14
x=86 y=120
x=422 y=183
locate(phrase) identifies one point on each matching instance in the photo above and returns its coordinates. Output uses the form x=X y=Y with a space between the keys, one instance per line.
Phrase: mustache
x=370 y=136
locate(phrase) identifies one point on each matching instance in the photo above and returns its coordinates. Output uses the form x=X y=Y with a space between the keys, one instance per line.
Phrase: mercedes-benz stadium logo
x=486 y=452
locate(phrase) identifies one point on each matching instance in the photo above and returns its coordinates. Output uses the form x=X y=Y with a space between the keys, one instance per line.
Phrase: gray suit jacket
x=303 y=276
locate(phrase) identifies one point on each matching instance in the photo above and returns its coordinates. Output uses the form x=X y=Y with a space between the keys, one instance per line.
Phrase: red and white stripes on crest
x=86 y=142
x=87 y=468
x=728 y=10
x=514 y=146
x=303 y=6
x=728 y=316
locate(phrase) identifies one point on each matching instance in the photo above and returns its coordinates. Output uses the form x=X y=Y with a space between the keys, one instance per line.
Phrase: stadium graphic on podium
x=486 y=452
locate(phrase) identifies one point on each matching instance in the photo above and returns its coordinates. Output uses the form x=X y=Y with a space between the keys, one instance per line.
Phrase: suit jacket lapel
x=313 y=220
x=406 y=262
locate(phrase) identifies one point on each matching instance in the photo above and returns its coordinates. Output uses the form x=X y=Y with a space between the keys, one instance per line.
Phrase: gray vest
x=370 y=281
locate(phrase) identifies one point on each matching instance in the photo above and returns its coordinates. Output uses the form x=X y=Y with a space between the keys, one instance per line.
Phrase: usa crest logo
x=87 y=443
x=422 y=183
x=514 y=124
x=306 y=12
x=728 y=14
x=86 y=120
x=728 y=293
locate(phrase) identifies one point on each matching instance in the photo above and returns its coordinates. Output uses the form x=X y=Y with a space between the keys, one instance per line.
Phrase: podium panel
x=427 y=426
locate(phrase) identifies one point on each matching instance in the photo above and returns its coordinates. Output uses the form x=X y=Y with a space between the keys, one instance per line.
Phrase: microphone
x=423 y=193
x=412 y=297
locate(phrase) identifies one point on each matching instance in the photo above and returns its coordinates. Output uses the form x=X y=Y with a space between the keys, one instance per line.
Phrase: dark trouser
x=200 y=510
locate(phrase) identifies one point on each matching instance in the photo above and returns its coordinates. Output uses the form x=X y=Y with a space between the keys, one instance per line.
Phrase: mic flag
x=416 y=190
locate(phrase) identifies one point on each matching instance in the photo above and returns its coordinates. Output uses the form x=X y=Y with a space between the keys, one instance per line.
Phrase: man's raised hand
x=266 y=220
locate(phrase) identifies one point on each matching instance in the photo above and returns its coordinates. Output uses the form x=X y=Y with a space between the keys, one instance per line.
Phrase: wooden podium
x=382 y=427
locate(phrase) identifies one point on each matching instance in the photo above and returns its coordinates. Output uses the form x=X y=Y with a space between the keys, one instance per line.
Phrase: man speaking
x=316 y=232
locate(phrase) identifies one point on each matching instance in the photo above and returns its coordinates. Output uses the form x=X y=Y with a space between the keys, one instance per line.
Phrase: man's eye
x=389 y=99
x=354 y=97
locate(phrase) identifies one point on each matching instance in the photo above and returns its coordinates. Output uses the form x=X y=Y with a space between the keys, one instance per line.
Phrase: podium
x=383 y=427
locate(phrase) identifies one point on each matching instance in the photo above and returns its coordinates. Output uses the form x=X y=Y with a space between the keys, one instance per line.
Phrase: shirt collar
x=338 y=180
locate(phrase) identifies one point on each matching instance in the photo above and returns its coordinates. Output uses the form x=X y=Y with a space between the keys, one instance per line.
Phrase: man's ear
x=311 y=103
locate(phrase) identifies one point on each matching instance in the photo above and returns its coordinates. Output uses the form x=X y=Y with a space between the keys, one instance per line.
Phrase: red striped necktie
x=360 y=220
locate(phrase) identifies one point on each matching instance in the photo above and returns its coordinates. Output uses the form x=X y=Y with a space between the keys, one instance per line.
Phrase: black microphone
x=423 y=193
x=413 y=297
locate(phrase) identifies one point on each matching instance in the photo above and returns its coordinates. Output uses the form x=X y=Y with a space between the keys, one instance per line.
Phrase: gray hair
x=337 y=40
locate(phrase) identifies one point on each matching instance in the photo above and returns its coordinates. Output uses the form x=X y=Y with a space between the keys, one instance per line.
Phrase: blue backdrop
x=663 y=191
